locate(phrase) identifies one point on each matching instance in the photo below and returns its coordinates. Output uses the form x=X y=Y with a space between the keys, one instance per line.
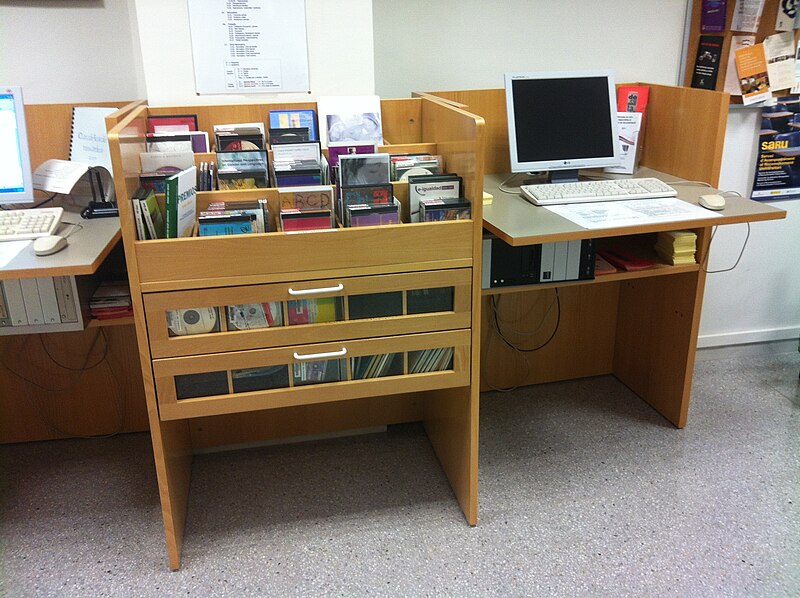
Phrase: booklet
x=751 y=66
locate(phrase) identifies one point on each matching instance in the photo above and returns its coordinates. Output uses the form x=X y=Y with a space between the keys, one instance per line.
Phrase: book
x=432 y=186
x=314 y=311
x=169 y=162
x=313 y=196
x=448 y=208
x=254 y=315
x=751 y=67
x=363 y=169
x=294 y=220
x=169 y=142
x=180 y=197
x=373 y=215
x=712 y=16
x=138 y=219
x=632 y=98
x=707 y=61
x=151 y=214
x=404 y=165
x=89 y=139
x=168 y=123
x=292 y=119
x=239 y=136
x=282 y=136
x=350 y=119
x=215 y=224
x=363 y=195
x=258 y=209
x=344 y=148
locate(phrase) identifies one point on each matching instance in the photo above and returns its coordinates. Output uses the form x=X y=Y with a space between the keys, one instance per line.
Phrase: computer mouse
x=49 y=245
x=712 y=201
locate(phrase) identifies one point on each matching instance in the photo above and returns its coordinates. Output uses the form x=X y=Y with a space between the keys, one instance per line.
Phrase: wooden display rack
x=221 y=271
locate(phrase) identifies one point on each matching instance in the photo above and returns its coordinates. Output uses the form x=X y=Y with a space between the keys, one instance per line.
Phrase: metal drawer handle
x=343 y=351
x=338 y=287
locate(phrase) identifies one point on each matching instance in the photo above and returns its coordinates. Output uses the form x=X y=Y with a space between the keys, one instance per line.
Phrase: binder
x=89 y=123
x=30 y=296
x=5 y=319
x=66 y=298
x=15 y=303
x=47 y=297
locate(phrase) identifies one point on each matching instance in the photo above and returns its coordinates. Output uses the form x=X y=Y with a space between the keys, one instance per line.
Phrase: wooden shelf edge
x=95 y=323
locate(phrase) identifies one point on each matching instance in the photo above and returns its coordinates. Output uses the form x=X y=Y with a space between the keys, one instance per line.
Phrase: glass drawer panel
x=376 y=366
x=263 y=378
x=249 y=316
x=189 y=386
x=315 y=311
x=193 y=320
x=425 y=301
x=376 y=305
x=319 y=372
x=430 y=360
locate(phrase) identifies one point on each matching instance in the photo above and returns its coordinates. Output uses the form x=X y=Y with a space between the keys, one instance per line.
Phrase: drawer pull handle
x=343 y=351
x=338 y=287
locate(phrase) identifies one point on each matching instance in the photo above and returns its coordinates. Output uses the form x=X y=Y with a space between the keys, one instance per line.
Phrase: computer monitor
x=561 y=122
x=16 y=183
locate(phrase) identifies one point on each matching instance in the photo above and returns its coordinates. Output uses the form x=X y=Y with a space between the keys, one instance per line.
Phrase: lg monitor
x=16 y=183
x=560 y=122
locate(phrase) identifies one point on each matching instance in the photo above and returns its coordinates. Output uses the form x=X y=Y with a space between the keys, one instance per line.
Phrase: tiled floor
x=584 y=490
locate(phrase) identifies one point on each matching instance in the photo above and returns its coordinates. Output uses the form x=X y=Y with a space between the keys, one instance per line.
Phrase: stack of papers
x=677 y=247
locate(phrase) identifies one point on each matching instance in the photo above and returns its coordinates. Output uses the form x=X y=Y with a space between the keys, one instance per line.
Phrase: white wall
x=424 y=46
x=339 y=52
x=78 y=51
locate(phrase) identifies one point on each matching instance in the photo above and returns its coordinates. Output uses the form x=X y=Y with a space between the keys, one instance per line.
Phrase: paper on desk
x=11 y=249
x=630 y=212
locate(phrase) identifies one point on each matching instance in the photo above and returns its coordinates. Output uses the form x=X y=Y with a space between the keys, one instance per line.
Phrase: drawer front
x=289 y=376
x=273 y=315
x=185 y=263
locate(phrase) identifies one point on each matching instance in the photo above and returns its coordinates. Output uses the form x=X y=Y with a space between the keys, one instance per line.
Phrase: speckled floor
x=584 y=491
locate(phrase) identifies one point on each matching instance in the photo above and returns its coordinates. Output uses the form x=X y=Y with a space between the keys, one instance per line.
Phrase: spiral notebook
x=89 y=140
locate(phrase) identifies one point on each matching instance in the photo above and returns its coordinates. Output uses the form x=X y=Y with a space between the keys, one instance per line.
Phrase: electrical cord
x=497 y=329
x=738 y=259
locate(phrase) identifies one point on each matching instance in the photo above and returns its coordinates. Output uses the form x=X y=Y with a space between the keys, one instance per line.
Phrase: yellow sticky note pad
x=487 y=198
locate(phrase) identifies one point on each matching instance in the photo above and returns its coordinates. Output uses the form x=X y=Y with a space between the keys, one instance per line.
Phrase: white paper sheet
x=779 y=49
x=747 y=15
x=249 y=46
x=731 y=76
x=11 y=249
x=610 y=214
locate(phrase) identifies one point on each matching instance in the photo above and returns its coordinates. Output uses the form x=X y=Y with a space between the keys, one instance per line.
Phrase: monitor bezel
x=561 y=164
x=26 y=195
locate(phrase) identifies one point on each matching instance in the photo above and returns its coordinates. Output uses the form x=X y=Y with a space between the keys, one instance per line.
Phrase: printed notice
x=747 y=15
x=249 y=46
x=610 y=214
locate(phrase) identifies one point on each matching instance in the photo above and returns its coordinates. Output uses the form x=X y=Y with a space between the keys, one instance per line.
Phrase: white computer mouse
x=712 y=201
x=49 y=244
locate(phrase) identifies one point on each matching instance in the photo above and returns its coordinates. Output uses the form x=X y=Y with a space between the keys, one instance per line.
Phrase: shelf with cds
x=324 y=331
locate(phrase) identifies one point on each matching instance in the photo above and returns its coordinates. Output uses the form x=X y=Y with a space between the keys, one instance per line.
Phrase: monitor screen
x=562 y=121
x=15 y=164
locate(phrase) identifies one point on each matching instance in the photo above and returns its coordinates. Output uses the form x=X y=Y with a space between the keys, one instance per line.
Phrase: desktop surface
x=518 y=222
x=88 y=247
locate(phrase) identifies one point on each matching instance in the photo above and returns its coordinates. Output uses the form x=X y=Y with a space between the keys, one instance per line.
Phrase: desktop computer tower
x=51 y=304
x=508 y=266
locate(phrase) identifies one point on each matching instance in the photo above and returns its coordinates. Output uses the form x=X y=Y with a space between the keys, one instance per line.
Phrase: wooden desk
x=45 y=394
x=639 y=326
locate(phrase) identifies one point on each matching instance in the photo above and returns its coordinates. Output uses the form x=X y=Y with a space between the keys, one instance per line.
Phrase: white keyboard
x=603 y=190
x=18 y=225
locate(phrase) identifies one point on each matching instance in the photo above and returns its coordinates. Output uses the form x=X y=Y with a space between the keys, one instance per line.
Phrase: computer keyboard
x=548 y=194
x=18 y=225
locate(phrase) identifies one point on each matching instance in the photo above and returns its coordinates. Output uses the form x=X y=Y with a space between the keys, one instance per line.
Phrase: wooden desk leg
x=172 y=450
x=451 y=422
x=656 y=340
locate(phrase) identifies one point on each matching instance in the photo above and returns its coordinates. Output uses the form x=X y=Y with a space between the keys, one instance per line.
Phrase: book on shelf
x=215 y=224
x=350 y=118
x=373 y=214
x=283 y=136
x=239 y=136
x=180 y=199
x=152 y=216
x=293 y=119
x=363 y=169
x=312 y=196
x=111 y=299
x=165 y=162
x=404 y=165
x=177 y=141
x=431 y=186
x=171 y=123
x=257 y=209
x=232 y=180
x=294 y=220
x=447 y=208
x=206 y=176
x=363 y=195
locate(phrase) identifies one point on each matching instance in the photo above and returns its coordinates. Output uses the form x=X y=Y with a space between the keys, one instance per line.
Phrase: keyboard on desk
x=19 y=225
x=548 y=194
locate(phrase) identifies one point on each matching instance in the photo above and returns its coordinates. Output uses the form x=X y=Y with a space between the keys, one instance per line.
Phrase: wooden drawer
x=288 y=376
x=272 y=315
x=197 y=262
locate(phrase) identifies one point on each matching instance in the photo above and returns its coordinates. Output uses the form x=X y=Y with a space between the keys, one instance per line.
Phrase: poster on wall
x=777 y=173
x=249 y=46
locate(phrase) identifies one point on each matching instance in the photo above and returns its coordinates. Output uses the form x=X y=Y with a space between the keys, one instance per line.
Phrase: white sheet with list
x=631 y=212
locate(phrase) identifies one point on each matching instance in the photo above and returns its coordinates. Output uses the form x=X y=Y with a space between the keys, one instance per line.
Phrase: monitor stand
x=563 y=176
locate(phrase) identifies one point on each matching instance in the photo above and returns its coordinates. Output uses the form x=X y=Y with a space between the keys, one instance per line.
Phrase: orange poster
x=751 y=66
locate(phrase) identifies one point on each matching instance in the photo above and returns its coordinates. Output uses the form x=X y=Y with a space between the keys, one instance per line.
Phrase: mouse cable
x=75 y=228
x=38 y=205
x=738 y=259
x=496 y=326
